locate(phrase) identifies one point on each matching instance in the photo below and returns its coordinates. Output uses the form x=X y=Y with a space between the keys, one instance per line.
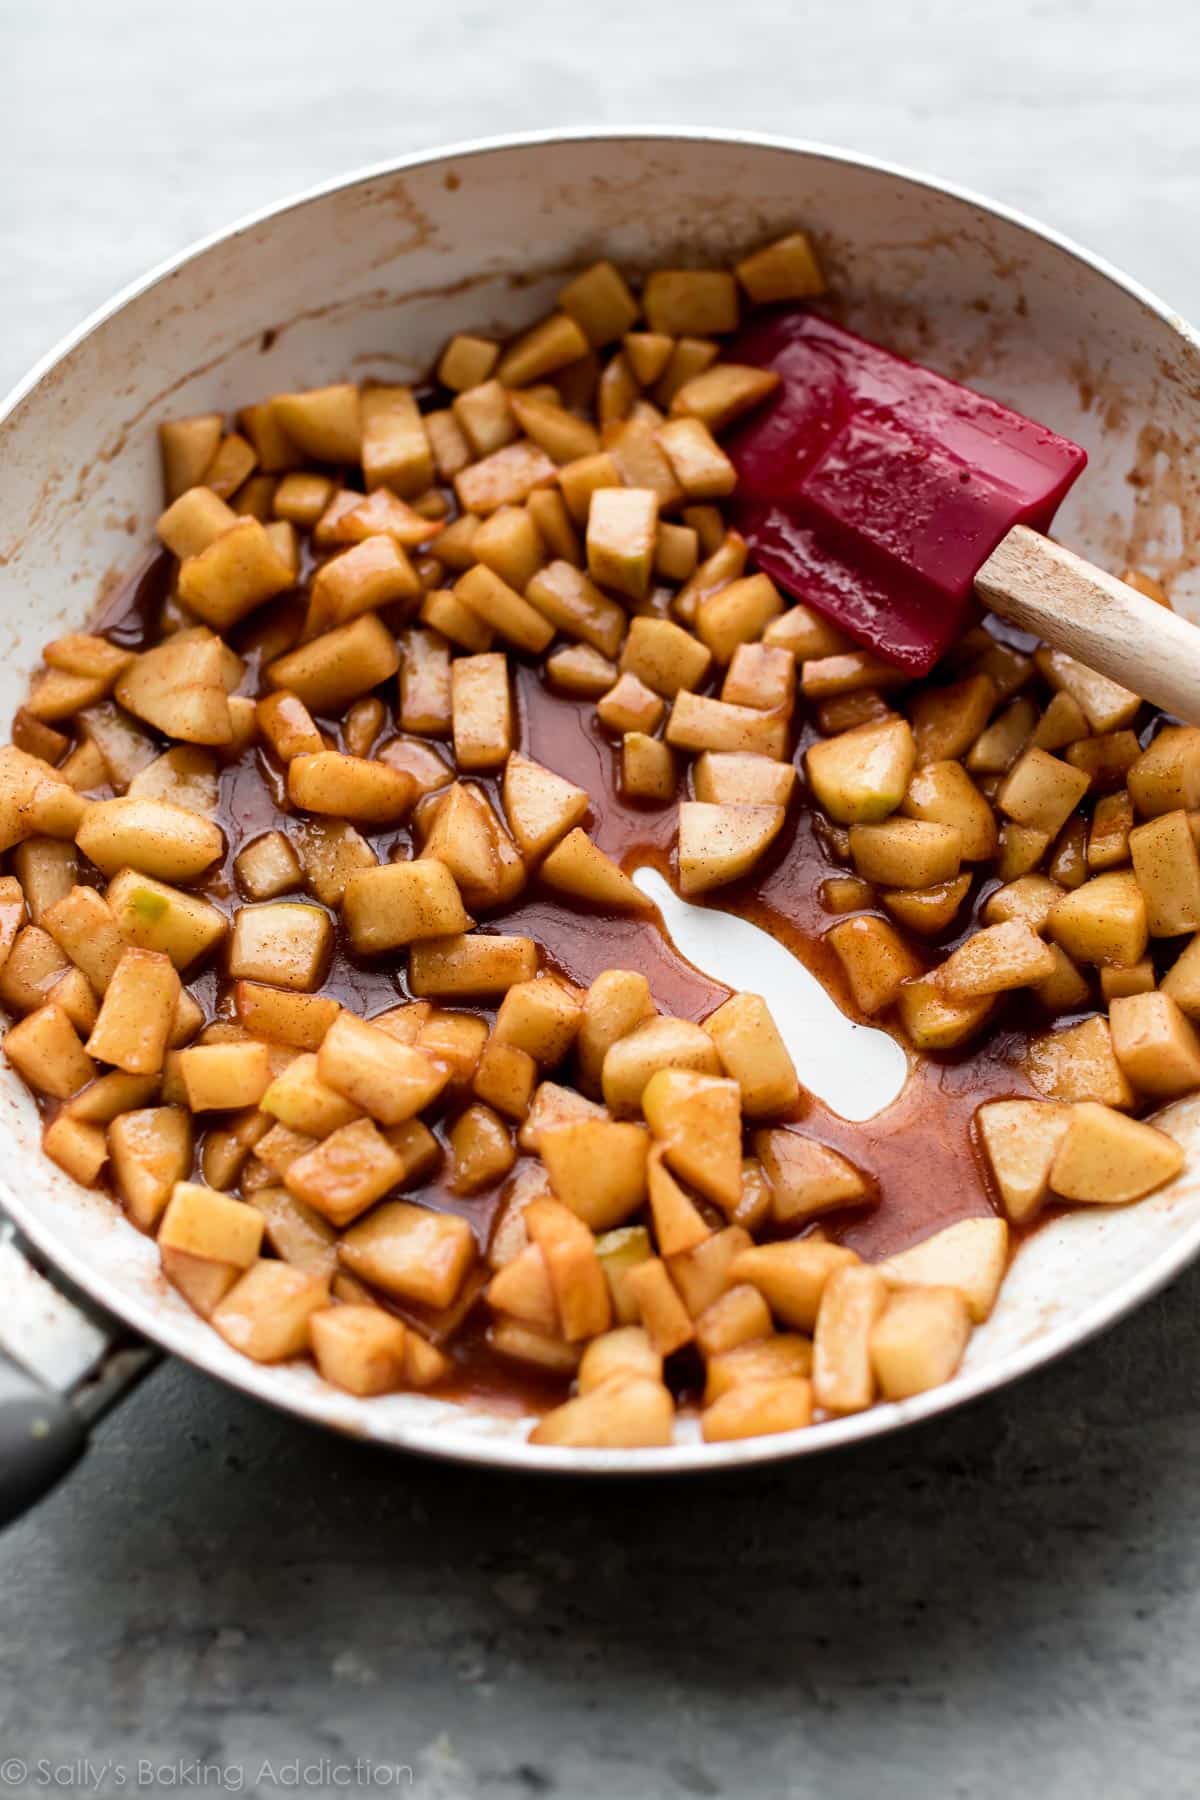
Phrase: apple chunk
x=399 y=903
x=861 y=776
x=679 y=1226
x=1106 y=1159
x=359 y=1348
x=636 y=1054
x=919 y=1341
x=1156 y=1044
x=633 y=1414
x=177 y=688
x=720 y=844
x=154 y=837
x=578 y=866
x=852 y=1300
x=597 y=1167
x=391 y=1081
x=754 y=1054
x=411 y=1252
x=995 y=960
x=266 y=1316
x=806 y=1177
x=791 y=1277
x=204 y=1223
x=617 y=1354
x=698 y=1121
x=541 y=807
x=576 y=1275
x=1021 y=1139
x=346 y=1172
x=621 y=533
x=1079 y=1064
x=970 y=1257
x=758 y=1409
x=151 y=1149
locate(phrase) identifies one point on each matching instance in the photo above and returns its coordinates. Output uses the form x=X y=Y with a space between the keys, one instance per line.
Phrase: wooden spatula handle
x=1093 y=616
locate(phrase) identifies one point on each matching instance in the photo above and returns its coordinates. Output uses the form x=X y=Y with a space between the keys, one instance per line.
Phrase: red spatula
x=883 y=495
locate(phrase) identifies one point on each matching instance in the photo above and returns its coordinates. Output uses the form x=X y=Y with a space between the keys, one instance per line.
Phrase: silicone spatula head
x=874 y=490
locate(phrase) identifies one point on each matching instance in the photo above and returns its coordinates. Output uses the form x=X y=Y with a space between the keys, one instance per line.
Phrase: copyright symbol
x=13 y=1771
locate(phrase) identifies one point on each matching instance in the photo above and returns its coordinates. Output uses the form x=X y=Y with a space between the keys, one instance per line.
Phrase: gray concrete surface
x=1005 y=1603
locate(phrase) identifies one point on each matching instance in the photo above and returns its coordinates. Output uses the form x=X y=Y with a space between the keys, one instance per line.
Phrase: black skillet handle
x=63 y=1365
x=41 y=1437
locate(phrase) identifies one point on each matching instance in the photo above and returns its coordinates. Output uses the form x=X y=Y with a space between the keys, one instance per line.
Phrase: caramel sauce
x=920 y=1148
x=919 y=1151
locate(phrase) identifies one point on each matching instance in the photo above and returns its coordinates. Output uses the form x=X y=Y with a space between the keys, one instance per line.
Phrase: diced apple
x=1106 y=1159
x=1104 y=921
x=630 y=705
x=45 y=1050
x=137 y=1013
x=235 y=573
x=634 y=1413
x=720 y=844
x=266 y=1315
x=177 y=687
x=152 y=836
x=697 y=1119
x=699 y=723
x=663 y=1314
x=580 y=1289
x=876 y=960
x=862 y=776
x=411 y=1252
x=78 y=1148
x=806 y=1177
x=1155 y=1044
x=283 y=943
x=621 y=530
x=399 y=903
x=335 y=668
x=151 y=915
x=919 y=1341
x=739 y=778
x=203 y=1223
x=578 y=867
x=391 y=1081
x=221 y=1077
x=994 y=961
x=1078 y=1064
x=636 y=1055
x=478 y=963
x=1042 y=791
x=1021 y=1139
x=906 y=853
x=1106 y=704
x=852 y=1300
x=151 y=1149
x=359 y=1348
x=785 y=1357
x=970 y=1257
x=754 y=1054
x=758 y=1409
x=597 y=1167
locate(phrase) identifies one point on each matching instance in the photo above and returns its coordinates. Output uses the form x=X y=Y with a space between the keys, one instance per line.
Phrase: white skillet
x=368 y=276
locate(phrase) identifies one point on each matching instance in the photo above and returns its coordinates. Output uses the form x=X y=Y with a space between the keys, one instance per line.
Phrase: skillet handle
x=41 y=1437
x=63 y=1365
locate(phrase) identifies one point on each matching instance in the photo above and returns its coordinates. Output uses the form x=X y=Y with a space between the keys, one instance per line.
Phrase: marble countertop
x=1004 y=1602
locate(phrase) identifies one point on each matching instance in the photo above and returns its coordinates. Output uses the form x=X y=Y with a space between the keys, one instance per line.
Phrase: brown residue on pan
x=1100 y=391
x=1165 y=532
x=394 y=196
